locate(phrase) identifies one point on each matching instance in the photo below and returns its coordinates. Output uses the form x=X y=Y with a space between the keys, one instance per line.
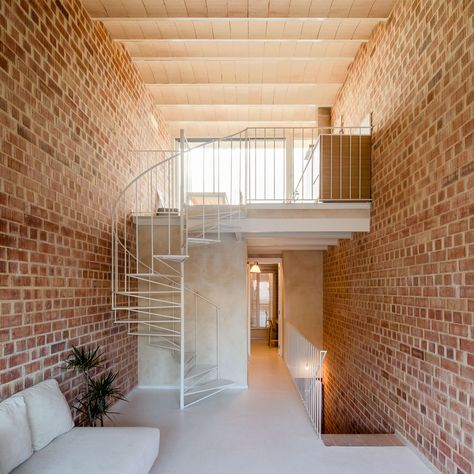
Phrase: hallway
x=257 y=431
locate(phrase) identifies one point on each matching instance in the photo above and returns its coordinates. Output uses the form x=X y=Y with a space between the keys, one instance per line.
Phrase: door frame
x=279 y=262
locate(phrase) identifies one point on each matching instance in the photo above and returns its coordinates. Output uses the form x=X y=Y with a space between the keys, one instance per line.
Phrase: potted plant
x=99 y=392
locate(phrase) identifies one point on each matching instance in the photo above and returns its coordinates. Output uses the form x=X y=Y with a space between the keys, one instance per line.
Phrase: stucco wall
x=217 y=272
x=303 y=293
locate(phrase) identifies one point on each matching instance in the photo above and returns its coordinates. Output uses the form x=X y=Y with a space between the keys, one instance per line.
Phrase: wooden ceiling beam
x=239 y=58
x=243 y=84
x=354 y=19
x=237 y=40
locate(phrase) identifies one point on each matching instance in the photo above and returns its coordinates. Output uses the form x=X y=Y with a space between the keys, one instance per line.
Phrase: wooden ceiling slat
x=245 y=71
x=175 y=8
x=241 y=94
x=361 y=8
x=218 y=66
x=240 y=8
x=226 y=29
x=164 y=48
x=154 y=8
x=195 y=7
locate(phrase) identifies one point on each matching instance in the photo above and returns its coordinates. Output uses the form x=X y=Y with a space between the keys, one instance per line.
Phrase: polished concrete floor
x=262 y=430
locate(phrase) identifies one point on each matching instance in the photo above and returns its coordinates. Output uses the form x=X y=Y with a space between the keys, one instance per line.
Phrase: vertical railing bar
x=217 y=341
x=293 y=165
x=125 y=247
x=184 y=250
x=274 y=164
x=203 y=185
x=321 y=160
x=246 y=167
x=350 y=166
x=331 y=166
x=255 y=169
x=150 y=182
x=240 y=173
x=169 y=218
x=127 y=256
x=136 y=223
x=114 y=260
x=302 y=160
x=195 y=326
x=341 y=139
x=231 y=170
x=312 y=195
x=181 y=355
x=218 y=191
x=264 y=164
x=360 y=164
x=285 y=157
x=213 y=166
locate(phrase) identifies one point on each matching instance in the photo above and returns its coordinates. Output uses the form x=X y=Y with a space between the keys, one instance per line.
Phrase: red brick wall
x=71 y=106
x=399 y=301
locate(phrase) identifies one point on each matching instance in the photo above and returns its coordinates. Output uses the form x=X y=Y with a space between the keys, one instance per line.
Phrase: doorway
x=265 y=303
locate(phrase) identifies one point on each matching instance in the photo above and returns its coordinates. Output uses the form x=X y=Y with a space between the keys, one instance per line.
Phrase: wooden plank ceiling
x=217 y=66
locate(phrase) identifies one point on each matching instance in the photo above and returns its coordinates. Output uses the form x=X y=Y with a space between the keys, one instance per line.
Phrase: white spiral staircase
x=153 y=230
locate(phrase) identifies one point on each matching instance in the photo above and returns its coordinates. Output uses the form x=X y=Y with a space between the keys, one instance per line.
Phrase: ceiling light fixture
x=255 y=268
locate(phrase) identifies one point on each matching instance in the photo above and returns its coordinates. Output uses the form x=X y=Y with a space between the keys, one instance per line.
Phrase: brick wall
x=71 y=106
x=399 y=301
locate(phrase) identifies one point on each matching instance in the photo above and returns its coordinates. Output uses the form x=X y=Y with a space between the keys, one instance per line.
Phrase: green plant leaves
x=99 y=393
x=85 y=360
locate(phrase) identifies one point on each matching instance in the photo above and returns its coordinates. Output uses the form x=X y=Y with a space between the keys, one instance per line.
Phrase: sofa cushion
x=97 y=451
x=48 y=412
x=15 y=435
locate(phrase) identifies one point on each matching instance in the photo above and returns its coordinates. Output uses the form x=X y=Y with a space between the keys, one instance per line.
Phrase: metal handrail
x=245 y=131
x=305 y=361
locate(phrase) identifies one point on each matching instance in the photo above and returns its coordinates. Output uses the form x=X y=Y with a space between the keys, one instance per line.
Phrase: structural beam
x=188 y=59
x=237 y=40
x=237 y=112
x=322 y=95
x=231 y=19
x=247 y=123
x=278 y=249
x=244 y=84
x=188 y=48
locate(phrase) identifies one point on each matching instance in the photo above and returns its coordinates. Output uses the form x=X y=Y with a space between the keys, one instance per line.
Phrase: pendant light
x=255 y=268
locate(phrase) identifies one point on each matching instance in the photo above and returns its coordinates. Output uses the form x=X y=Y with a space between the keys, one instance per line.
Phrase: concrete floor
x=257 y=431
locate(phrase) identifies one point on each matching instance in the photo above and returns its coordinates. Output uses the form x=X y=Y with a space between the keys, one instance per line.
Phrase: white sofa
x=37 y=436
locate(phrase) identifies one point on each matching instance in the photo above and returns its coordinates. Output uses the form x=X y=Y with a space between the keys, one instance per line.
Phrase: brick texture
x=399 y=301
x=71 y=105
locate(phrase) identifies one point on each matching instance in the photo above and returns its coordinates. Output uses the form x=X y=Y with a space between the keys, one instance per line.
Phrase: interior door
x=263 y=302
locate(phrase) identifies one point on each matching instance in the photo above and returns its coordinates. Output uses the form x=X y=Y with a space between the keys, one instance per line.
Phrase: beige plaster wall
x=217 y=272
x=303 y=293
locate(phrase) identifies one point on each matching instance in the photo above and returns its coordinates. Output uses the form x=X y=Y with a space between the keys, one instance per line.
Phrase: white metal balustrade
x=186 y=199
x=305 y=362
x=283 y=165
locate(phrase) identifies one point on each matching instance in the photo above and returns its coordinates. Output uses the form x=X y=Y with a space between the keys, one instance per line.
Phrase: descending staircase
x=152 y=234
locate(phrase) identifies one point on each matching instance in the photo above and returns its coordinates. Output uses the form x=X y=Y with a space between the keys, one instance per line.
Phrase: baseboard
x=417 y=453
